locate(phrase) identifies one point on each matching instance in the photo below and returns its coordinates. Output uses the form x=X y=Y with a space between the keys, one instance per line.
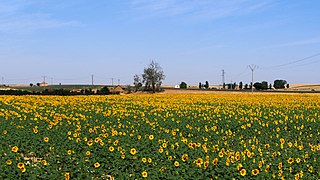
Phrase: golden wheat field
x=164 y=136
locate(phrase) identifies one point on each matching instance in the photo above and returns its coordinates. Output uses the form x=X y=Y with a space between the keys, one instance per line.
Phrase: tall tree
x=240 y=85
x=137 y=82
x=152 y=76
x=206 y=85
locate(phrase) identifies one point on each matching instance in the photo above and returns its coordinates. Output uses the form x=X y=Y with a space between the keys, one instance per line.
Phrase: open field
x=164 y=136
x=306 y=87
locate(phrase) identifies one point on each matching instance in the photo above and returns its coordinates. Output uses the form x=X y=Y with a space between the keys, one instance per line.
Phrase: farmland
x=172 y=136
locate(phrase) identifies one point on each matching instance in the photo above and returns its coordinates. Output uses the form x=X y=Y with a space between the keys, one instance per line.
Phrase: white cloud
x=310 y=41
x=203 y=9
x=22 y=16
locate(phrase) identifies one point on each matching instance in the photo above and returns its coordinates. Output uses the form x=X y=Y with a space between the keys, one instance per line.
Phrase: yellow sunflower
x=144 y=174
x=243 y=172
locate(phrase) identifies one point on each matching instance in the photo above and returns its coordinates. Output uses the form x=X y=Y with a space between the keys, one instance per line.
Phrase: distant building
x=117 y=89
x=43 y=84
x=177 y=86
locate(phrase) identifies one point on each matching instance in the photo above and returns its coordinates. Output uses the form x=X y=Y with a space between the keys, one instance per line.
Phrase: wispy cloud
x=21 y=16
x=199 y=9
x=310 y=41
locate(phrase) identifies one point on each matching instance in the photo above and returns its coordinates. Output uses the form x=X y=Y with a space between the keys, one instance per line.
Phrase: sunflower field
x=198 y=136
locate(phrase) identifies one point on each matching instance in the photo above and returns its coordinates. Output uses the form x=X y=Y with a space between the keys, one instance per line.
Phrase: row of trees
x=204 y=86
x=152 y=77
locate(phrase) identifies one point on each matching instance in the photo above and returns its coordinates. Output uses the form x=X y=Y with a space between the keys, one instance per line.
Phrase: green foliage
x=153 y=76
x=206 y=85
x=279 y=84
x=183 y=85
x=252 y=130
x=261 y=86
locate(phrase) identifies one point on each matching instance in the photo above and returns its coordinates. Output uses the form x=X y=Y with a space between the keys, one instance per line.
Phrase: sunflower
x=67 y=176
x=69 y=152
x=243 y=172
x=267 y=146
x=239 y=167
x=164 y=145
x=176 y=164
x=151 y=137
x=160 y=150
x=8 y=162
x=4 y=132
x=44 y=162
x=90 y=143
x=111 y=148
x=144 y=174
x=88 y=153
x=298 y=160
x=20 y=165
x=96 y=165
x=184 y=157
x=46 y=139
x=238 y=157
x=206 y=164
x=290 y=160
x=267 y=168
x=15 y=148
x=133 y=151
x=144 y=160
x=23 y=169
x=215 y=161
x=255 y=172
x=149 y=160
x=221 y=154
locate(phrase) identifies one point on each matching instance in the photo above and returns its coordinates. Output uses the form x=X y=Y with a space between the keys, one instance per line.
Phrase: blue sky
x=193 y=40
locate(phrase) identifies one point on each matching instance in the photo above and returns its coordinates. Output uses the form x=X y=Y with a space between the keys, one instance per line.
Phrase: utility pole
x=44 y=78
x=112 y=81
x=92 y=79
x=51 y=81
x=2 y=80
x=223 y=73
x=252 y=68
x=118 y=82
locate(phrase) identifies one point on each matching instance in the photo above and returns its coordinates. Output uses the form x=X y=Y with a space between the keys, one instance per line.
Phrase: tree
x=261 y=86
x=246 y=86
x=288 y=86
x=152 y=77
x=224 y=86
x=183 y=85
x=264 y=85
x=234 y=85
x=31 y=84
x=279 y=84
x=206 y=85
x=200 y=85
x=104 y=90
x=137 y=82
x=240 y=85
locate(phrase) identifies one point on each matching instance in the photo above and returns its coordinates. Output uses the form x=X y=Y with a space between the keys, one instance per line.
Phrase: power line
x=223 y=78
x=293 y=62
x=252 y=68
x=92 y=79
x=44 y=78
